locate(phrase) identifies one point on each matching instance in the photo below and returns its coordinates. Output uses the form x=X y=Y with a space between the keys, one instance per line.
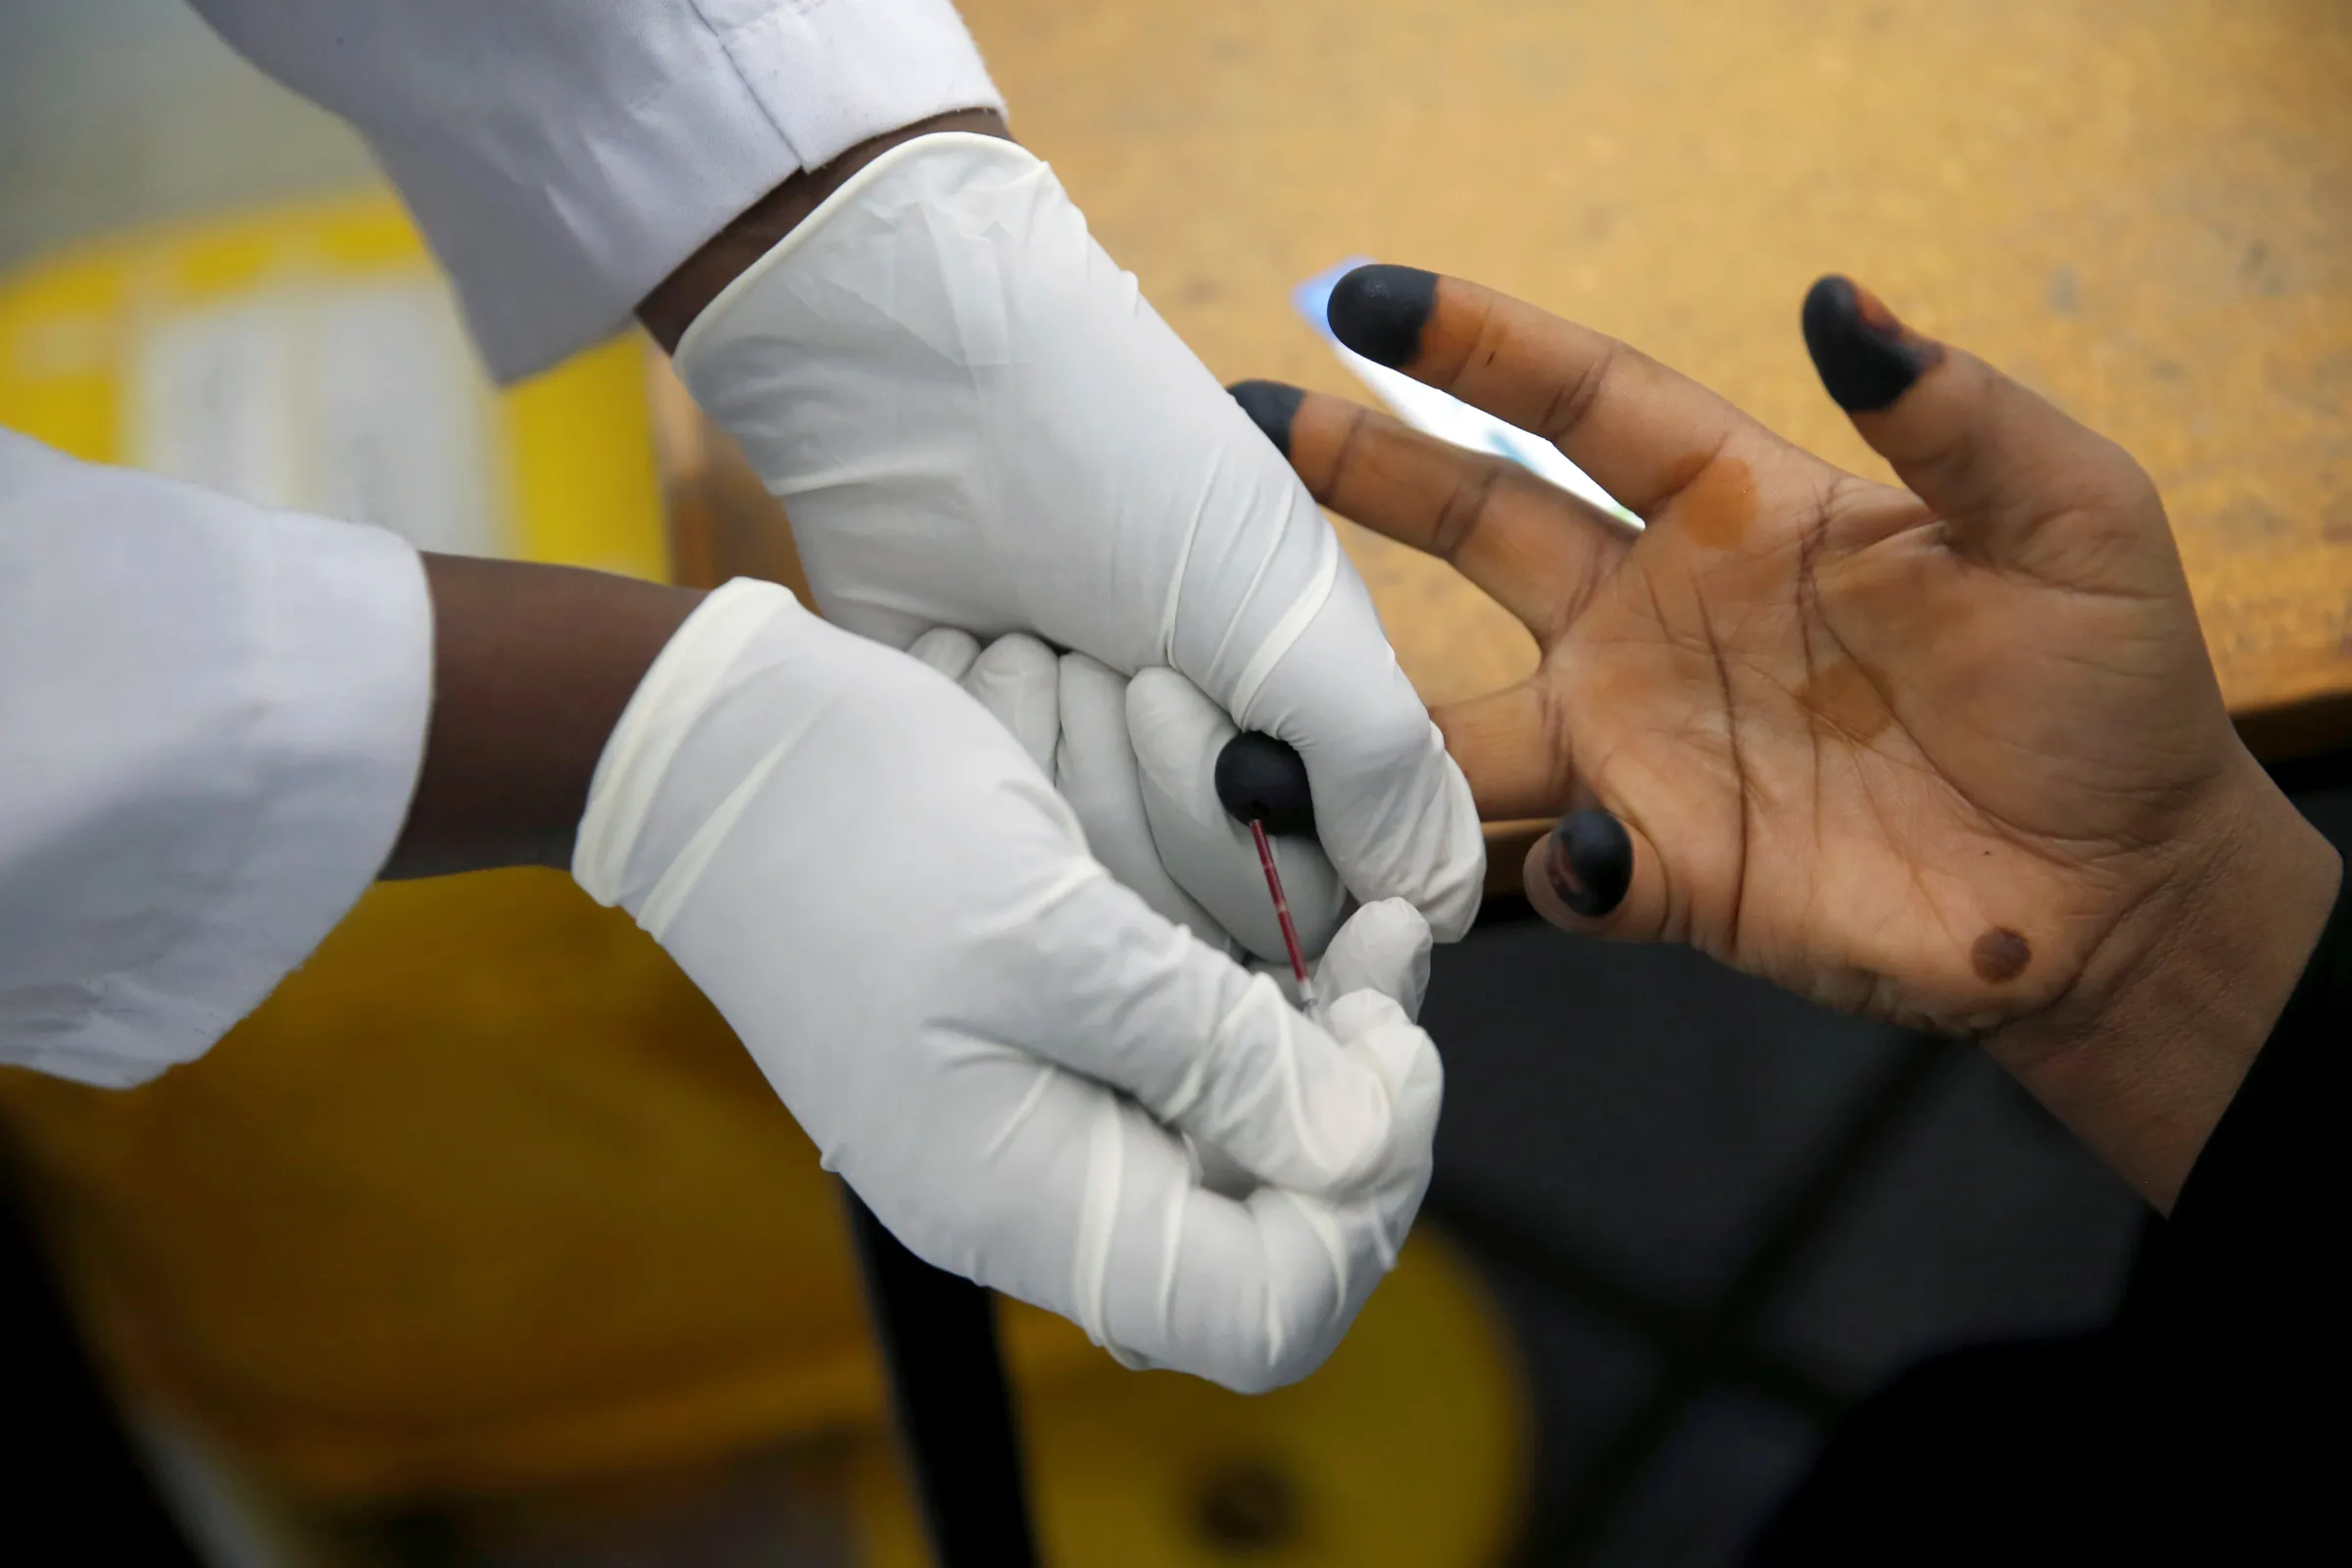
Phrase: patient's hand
x=1950 y=754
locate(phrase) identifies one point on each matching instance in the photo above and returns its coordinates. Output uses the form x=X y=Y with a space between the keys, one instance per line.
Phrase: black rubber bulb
x=1260 y=778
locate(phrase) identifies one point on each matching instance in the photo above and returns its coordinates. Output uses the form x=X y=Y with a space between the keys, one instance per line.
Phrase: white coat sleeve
x=564 y=155
x=210 y=720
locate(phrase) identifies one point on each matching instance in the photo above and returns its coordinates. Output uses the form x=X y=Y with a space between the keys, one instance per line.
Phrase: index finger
x=1090 y=978
x=1087 y=1206
x=1643 y=431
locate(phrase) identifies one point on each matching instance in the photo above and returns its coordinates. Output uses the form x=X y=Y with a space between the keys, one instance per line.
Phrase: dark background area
x=1715 y=1217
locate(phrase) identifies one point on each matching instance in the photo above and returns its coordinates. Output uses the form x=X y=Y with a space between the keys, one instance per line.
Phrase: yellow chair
x=487 y=1200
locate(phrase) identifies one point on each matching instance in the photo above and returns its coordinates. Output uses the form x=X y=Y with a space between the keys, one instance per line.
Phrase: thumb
x=1383 y=948
x=1094 y=770
x=1177 y=733
x=1376 y=973
x=1018 y=680
x=2018 y=482
x=1597 y=873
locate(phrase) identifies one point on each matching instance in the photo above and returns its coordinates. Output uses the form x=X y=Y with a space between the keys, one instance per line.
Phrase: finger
x=1288 y=1286
x=1643 y=432
x=1530 y=546
x=1382 y=951
x=1392 y=809
x=1597 y=874
x=1094 y=770
x=1253 y=1294
x=946 y=650
x=1019 y=679
x=1994 y=460
x=1218 y=1172
x=1093 y=980
x=1087 y=1206
x=1177 y=733
x=1513 y=746
x=1290 y=1281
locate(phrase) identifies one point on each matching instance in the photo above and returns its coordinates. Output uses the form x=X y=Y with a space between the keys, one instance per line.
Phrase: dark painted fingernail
x=1590 y=864
x=1271 y=406
x=1379 y=310
x=1867 y=358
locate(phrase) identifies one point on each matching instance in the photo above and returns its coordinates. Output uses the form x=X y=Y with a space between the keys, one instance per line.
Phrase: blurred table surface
x=2143 y=208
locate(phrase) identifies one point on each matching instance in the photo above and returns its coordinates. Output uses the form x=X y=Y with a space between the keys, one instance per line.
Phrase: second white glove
x=998 y=1047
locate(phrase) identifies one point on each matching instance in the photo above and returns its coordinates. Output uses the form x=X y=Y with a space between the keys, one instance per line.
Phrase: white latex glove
x=975 y=420
x=997 y=1045
x=1136 y=761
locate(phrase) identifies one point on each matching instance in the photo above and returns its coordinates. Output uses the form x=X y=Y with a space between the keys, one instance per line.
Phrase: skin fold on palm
x=1950 y=754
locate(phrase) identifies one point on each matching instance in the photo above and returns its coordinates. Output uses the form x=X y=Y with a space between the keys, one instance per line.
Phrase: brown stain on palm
x=1842 y=698
x=2001 y=955
x=1716 y=507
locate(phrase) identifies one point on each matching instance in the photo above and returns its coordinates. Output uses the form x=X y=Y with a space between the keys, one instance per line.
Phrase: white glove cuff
x=711 y=321
x=684 y=678
x=957 y=393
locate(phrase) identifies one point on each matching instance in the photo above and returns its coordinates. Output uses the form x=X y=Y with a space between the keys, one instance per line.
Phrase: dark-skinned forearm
x=533 y=665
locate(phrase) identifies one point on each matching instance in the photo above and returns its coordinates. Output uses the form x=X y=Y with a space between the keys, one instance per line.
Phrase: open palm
x=1918 y=753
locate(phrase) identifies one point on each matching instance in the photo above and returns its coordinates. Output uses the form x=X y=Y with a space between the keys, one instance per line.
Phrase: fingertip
x=1384 y=951
x=1159 y=693
x=1272 y=406
x=1173 y=726
x=1016 y=656
x=1866 y=357
x=1587 y=862
x=1379 y=310
x=1996 y=462
x=948 y=649
x=1339 y=1131
x=1019 y=679
x=1442 y=868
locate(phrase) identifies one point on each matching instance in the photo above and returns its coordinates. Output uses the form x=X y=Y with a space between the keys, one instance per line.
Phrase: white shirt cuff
x=563 y=158
x=219 y=750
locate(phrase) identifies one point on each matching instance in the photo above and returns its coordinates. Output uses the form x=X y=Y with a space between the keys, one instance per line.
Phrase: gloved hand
x=1136 y=761
x=975 y=420
x=992 y=1042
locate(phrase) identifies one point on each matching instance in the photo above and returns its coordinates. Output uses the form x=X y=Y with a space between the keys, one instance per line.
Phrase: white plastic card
x=1449 y=419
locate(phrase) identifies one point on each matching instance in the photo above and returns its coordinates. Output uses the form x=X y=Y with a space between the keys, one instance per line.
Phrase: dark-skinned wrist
x=532 y=666
x=670 y=309
x=2145 y=1054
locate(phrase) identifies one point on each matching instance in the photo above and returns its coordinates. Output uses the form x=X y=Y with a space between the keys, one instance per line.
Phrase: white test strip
x=1446 y=418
